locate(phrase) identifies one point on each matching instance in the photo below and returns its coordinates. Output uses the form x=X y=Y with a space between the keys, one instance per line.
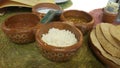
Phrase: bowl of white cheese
x=59 y=41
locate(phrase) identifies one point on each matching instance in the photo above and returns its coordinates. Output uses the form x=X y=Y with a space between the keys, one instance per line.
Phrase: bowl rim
x=108 y=13
x=60 y=49
x=89 y=23
x=37 y=6
x=4 y=27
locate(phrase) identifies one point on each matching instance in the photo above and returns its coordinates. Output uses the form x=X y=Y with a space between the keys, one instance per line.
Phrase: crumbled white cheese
x=59 y=38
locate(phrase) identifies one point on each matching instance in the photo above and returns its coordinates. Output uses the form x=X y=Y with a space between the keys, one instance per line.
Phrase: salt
x=44 y=10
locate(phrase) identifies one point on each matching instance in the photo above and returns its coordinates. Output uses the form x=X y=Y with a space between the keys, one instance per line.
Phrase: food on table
x=33 y=2
x=12 y=3
x=59 y=38
x=44 y=10
x=76 y=19
x=97 y=44
x=115 y=32
x=105 y=28
x=104 y=45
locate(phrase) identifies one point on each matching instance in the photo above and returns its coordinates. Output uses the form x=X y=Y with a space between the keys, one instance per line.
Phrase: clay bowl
x=44 y=6
x=54 y=53
x=84 y=21
x=20 y=28
x=108 y=17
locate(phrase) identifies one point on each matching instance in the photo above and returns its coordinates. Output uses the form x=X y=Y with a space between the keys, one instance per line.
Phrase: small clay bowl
x=85 y=20
x=41 y=8
x=54 y=53
x=20 y=27
x=108 y=17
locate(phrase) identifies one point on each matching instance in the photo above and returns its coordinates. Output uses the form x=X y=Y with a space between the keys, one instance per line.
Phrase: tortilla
x=33 y=2
x=105 y=30
x=107 y=46
x=11 y=3
x=115 y=32
x=96 y=44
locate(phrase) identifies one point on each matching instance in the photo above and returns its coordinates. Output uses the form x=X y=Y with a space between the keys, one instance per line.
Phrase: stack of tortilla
x=105 y=40
x=22 y=3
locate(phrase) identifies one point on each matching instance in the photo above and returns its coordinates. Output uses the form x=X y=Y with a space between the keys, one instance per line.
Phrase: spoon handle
x=50 y=16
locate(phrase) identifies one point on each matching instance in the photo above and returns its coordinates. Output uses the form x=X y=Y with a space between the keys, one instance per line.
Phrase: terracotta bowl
x=58 y=54
x=20 y=27
x=44 y=6
x=85 y=26
x=108 y=17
